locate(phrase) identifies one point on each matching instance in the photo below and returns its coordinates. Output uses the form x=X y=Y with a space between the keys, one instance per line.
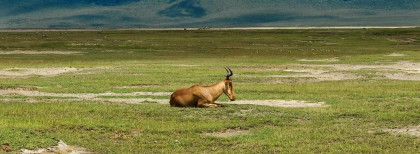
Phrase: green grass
x=154 y=61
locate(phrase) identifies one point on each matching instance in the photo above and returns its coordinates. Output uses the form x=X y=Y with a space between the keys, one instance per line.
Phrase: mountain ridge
x=201 y=13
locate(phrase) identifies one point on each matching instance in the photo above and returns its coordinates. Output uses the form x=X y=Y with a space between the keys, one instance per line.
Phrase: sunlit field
x=108 y=91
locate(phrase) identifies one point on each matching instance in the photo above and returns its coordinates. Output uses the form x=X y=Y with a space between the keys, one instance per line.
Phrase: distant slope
x=197 y=13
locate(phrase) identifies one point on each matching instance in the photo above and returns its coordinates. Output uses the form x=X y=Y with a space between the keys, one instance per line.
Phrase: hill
x=201 y=13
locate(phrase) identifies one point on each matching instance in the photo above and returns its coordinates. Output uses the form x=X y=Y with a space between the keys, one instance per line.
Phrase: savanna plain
x=297 y=91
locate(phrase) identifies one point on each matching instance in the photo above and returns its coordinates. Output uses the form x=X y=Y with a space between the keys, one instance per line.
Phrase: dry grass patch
x=5 y=147
x=119 y=135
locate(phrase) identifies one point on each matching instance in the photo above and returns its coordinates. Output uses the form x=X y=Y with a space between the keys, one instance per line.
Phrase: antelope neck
x=217 y=89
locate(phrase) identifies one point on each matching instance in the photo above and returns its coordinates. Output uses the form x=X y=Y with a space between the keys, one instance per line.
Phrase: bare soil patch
x=319 y=75
x=137 y=86
x=405 y=70
x=82 y=96
x=403 y=76
x=279 y=103
x=185 y=65
x=33 y=52
x=61 y=148
x=99 y=97
x=396 y=55
x=27 y=72
x=25 y=88
x=228 y=133
x=112 y=100
x=79 y=95
x=320 y=60
x=133 y=100
x=405 y=40
x=412 y=130
x=47 y=71
x=402 y=70
x=403 y=66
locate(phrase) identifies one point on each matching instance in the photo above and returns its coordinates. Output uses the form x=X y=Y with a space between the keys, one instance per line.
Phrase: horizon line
x=205 y=28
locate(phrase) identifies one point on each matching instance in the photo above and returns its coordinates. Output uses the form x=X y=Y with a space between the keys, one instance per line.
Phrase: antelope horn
x=230 y=73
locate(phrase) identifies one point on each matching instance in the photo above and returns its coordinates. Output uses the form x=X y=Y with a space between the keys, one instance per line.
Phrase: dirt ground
x=28 y=72
x=16 y=72
x=411 y=130
x=60 y=148
x=227 y=133
x=396 y=55
x=278 y=103
x=33 y=52
x=99 y=97
x=84 y=96
x=402 y=70
x=318 y=60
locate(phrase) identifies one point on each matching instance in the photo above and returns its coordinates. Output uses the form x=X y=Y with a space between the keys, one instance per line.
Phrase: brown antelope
x=203 y=96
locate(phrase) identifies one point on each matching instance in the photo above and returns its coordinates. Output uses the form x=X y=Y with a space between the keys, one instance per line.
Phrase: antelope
x=203 y=96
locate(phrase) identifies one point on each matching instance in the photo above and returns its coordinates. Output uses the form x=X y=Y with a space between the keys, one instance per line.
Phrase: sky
x=206 y=13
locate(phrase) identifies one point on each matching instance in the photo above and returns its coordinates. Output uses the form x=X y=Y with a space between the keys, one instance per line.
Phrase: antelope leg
x=203 y=103
x=218 y=105
x=208 y=105
x=213 y=105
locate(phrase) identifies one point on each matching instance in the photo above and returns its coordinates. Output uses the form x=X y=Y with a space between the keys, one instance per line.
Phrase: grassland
x=359 y=109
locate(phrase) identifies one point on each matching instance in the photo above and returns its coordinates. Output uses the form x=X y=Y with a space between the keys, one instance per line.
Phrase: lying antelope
x=203 y=96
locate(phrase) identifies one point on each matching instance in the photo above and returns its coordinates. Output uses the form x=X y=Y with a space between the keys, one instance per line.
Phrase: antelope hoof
x=213 y=105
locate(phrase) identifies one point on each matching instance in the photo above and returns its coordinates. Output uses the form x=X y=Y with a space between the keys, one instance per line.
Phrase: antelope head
x=228 y=90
